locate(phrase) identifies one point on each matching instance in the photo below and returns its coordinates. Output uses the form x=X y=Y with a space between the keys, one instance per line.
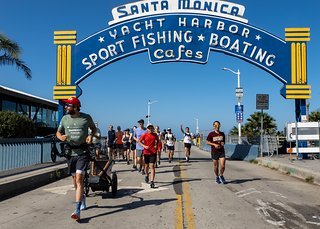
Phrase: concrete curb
x=17 y=184
x=291 y=170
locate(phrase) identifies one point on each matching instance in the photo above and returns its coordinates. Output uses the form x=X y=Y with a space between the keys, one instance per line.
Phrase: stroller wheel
x=114 y=184
x=53 y=156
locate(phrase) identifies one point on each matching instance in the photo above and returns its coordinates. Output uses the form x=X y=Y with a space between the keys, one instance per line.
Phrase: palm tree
x=314 y=116
x=10 y=53
x=253 y=125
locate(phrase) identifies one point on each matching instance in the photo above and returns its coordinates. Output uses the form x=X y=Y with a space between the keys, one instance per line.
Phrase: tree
x=13 y=125
x=314 y=116
x=10 y=55
x=253 y=125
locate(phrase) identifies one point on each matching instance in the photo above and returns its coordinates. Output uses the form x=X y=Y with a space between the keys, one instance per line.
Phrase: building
x=42 y=111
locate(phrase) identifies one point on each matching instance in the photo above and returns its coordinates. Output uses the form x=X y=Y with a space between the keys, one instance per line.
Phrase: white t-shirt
x=188 y=138
x=170 y=139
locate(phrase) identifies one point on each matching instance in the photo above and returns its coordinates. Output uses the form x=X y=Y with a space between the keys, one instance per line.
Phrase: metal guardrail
x=17 y=153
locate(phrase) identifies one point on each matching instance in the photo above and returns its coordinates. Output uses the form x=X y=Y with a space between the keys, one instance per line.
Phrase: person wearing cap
x=73 y=129
x=149 y=141
x=139 y=149
x=170 y=140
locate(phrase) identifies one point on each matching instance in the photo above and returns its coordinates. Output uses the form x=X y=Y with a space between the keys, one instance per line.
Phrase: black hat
x=169 y=129
x=141 y=121
x=150 y=125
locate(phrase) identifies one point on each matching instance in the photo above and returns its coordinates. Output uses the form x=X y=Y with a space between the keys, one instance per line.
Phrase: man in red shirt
x=149 y=141
x=216 y=140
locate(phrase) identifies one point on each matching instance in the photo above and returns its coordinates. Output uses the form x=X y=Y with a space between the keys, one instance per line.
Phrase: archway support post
x=65 y=41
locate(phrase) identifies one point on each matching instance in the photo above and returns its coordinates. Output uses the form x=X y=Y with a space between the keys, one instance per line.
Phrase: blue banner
x=181 y=37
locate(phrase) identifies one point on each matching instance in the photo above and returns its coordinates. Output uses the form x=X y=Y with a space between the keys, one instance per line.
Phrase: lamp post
x=239 y=94
x=148 y=116
x=197 y=128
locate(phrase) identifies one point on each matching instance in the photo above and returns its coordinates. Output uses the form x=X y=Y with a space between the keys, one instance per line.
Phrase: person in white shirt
x=170 y=140
x=187 y=140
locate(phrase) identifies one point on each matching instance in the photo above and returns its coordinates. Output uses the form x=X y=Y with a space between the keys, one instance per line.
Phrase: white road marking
x=62 y=190
x=145 y=188
x=278 y=194
x=247 y=192
x=315 y=223
x=265 y=208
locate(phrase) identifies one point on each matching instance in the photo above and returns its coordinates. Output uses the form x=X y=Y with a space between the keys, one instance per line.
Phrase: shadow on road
x=240 y=181
x=124 y=207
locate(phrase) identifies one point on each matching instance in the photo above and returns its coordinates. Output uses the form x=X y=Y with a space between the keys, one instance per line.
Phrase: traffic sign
x=262 y=101
x=239 y=92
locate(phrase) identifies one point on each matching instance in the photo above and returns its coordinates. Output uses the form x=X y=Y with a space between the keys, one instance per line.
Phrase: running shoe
x=134 y=167
x=218 y=181
x=188 y=159
x=222 y=180
x=128 y=162
x=76 y=215
x=140 y=168
x=146 y=179
x=152 y=184
x=83 y=203
x=159 y=162
x=143 y=172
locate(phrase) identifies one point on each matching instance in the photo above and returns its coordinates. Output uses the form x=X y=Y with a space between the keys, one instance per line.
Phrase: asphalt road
x=186 y=197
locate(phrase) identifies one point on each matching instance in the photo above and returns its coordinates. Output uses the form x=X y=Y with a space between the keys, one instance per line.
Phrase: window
x=9 y=106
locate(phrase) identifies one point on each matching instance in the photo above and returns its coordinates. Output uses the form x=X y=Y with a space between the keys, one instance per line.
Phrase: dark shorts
x=133 y=146
x=111 y=145
x=187 y=145
x=126 y=146
x=170 y=147
x=78 y=164
x=119 y=146
x=97 y=145
x=217 y=155
x=150 y=158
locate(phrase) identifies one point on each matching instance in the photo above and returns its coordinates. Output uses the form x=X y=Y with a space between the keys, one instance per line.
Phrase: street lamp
x=197 y=129
x=239 y=94
x=148 y=116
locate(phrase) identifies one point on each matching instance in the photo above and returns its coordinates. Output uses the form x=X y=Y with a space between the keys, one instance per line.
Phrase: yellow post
x=296 y=88
x=64 y=41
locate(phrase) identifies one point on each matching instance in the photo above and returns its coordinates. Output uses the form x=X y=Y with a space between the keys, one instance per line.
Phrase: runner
x=157 y=131
x=163 y=140
x=139 y=150
x=126 y=144
x=216 y=140
x=111 y=141
x=170 y=140
x=73 y=129
x=187 y=140
x=119 y=143
x=96 y=140
x=133 y=147
x=149 y=141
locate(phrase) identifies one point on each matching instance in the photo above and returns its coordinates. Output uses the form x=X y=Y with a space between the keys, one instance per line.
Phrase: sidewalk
x=305 y=169
x=17 y=181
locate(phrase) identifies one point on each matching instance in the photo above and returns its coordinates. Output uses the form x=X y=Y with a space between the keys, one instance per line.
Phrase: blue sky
x=118 y=93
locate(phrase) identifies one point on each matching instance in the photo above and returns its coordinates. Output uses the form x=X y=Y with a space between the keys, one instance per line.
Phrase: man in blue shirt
x=139 y=149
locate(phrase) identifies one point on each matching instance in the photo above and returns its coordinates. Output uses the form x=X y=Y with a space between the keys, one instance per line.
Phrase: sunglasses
x=68 y=105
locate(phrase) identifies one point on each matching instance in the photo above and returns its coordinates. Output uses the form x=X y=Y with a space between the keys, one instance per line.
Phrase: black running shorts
x=78 y=164
x=150 y=158
x=187 y=145
x=217 y=155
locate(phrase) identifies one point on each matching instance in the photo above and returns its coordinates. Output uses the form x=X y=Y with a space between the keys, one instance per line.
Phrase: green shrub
x=13 y=125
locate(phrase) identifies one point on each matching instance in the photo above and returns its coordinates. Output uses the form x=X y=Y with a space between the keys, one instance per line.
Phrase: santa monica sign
x=182 y=30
